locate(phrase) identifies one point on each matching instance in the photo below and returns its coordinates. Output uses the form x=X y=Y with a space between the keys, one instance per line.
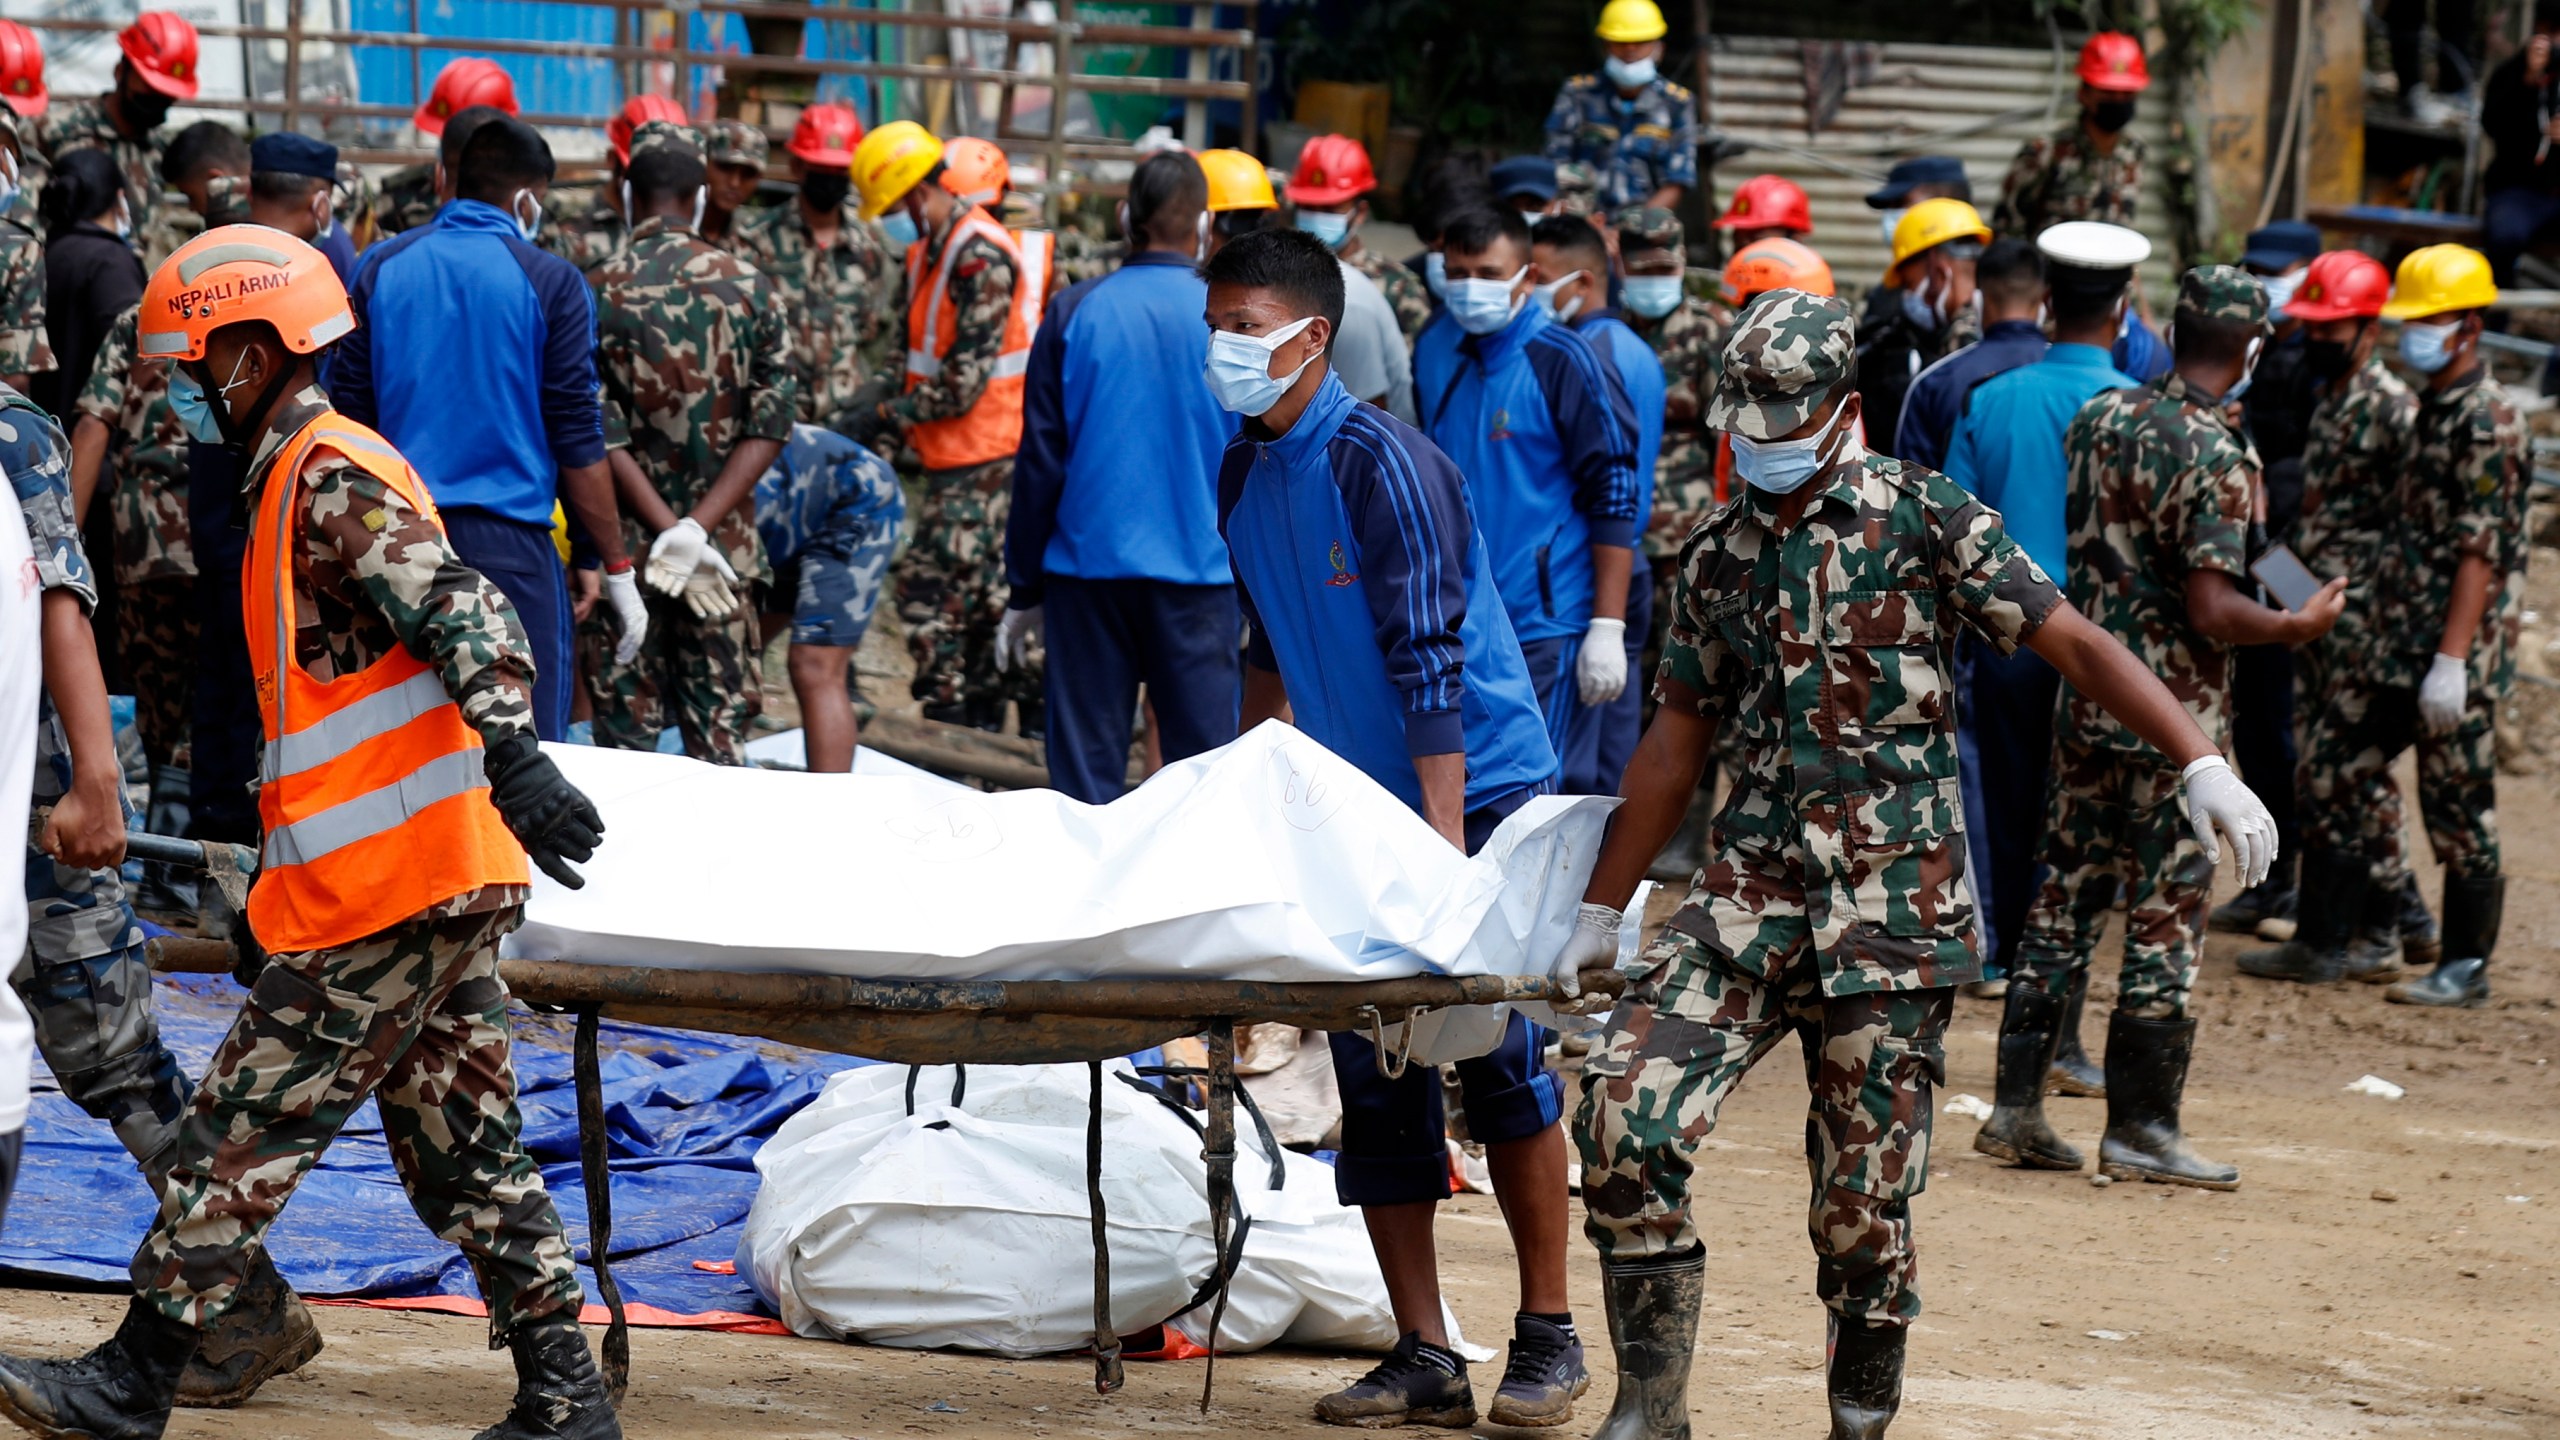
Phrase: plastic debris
x=1971 y=1107
x=2109 y=1335
x=2376 y=1085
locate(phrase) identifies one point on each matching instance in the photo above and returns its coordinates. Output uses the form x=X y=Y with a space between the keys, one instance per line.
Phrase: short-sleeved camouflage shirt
x=2063 y=177
x=2351 y=467
x=2462 y=493
x=1829 y=646
x=2160 y=485
x=846 y=301
x=148 y=451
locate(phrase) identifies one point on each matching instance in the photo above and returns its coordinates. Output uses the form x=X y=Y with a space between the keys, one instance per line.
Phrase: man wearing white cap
x=2007 y=449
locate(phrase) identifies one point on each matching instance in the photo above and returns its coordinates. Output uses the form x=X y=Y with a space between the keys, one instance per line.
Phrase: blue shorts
x=835 y=582
x=828 y=512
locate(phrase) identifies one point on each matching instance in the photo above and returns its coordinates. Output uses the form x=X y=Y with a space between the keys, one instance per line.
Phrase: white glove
x=622 y=592
x=1016 y=634
x=709 y=591
x=2443 y=694
x=1602 y=670
x=2215 y=796
x=672 y=558
x=1592 y=951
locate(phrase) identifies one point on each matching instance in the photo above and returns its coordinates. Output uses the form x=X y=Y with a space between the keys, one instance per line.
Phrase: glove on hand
x=1593 y=951
x=2215 y=796
x=1601 y=672
x=711 y=591
x=2443 y=694
x=1016 y=634
x=675 y=553
x=554 y=821
x=622 y=592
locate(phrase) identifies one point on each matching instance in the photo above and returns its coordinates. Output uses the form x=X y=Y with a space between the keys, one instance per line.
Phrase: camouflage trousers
x=2373 y=819
x=1691 y=1026
x=2117 y=819
x=702 y=676
x=951 y=592
x=156 y=630
x=86 y=983
x=2348 y=750
x=416 y=1019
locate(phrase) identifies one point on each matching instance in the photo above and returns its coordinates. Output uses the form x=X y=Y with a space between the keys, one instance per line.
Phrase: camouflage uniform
x=84 y=976
x=155 y=553
x=581 y=228
x=403 y=200
x=1405 y=292
x=1083 y=256
x=1833 y=903
x=158 y=228
x=847 y=304
x=1636 y=146
x=2161 y=485
x=950 y=582
x=414 y=1016
x=2351 y=467
x=1690 y=343
x=735 y=142
x=828 y=513
x=694 y=356
x=2461 y=492
x=2063 y=177
x=24 y=346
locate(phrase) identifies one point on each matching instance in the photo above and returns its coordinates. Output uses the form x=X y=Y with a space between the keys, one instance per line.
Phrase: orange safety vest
x=371 y=791
x=992 y=428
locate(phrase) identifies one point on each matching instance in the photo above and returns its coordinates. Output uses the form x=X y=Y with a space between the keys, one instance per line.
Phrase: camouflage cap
x=1649 y=227
x=665 y=134
x=2222 y=292
x=735 y=142
x=1577 y=188
x=1787 y=353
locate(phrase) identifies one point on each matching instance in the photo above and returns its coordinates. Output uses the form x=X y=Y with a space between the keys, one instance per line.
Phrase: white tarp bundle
x=1270 y=858
x=968 y=1226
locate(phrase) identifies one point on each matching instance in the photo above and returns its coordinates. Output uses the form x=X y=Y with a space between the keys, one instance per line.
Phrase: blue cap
x=1920 y=170
x=2279 y=247
x=287 y=153
x=1525 y=175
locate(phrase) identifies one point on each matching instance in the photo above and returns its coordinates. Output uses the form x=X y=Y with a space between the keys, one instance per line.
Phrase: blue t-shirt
x=2008 y=446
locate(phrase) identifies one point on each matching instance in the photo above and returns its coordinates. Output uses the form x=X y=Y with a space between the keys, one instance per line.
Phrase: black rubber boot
x=2146 y=1080
x=120 y=1391
x=2373 y=953
x=1653 y=1327
x=2473 y=911
x=1866 y=1376
x=2073 y=1072
x=267 y=1332
x=2421 y=939
x=2244 y=912
x=2334 y=886
x=2016 y=1131
x=560 y=1394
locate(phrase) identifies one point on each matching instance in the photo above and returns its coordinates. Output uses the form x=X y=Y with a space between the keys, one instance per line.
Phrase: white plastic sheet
x=1268 y=859
x=968 y=1225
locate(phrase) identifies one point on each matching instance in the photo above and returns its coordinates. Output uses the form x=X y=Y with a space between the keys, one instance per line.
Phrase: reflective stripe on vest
x=375 y=811
x=334 y=735
x=924 y=360
x=991 y=428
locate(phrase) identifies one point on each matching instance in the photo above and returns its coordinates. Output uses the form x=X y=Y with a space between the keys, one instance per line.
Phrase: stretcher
x=987 y=1022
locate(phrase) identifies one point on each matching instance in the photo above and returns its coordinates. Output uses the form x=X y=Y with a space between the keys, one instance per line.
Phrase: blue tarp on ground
x=687 y=1113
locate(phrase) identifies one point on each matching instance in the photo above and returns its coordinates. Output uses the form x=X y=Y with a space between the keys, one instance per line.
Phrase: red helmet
x=22 y=69
x=471 y=80
x=2112 y=61
x=162 y=48
x=2340 y=285
x=1768 y=202
x=1331 y=169
x=825 y=136
x=637 y=111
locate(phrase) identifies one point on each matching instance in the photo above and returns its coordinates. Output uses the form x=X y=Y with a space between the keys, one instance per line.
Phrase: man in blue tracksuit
x=1547 y=440
x=1571 y=265
x=474 y=353
x=1112 y=547
x=1375 y=624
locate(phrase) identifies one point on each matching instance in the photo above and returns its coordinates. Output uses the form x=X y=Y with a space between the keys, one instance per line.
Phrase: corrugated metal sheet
x=1974 y=103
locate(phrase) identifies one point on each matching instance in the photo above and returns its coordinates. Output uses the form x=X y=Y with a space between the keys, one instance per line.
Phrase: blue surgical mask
x=1781 y=467
x=1239 y=368
x=1546 y=296
x=1435 y=275
x=1888 y=222
x=1330 y=228
x=2428 y=348
x=1484 y=306
x=1653 y=296
x=2280 y=291
x=1629 y=75
x=193 y=407
x=900 y=228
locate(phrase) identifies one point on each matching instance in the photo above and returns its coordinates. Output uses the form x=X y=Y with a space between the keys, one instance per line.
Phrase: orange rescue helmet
x=471 y=80
x=236 y=273
x=637 y=111
x=22 y=70
x=1768 y=202
x=1776 y=263
x=826 y=136
x=162 y=49
x=975 y=170
x=2340 y=285
x=2112 y=61
x=1331 y=169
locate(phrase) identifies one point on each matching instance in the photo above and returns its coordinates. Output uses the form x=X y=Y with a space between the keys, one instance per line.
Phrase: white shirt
x=1369 y=352
x=21 y=681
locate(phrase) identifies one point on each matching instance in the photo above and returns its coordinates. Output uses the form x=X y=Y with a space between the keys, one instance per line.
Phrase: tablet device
x=2286 y=577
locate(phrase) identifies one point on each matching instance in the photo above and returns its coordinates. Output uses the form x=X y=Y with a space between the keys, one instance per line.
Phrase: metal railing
x=1065 y=35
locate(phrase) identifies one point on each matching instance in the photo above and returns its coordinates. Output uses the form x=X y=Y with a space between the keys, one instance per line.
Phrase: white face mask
x=2428 y=348
x=1239 y=368
x=701 y=202
x=324 y=217
x=1781 y=467
x=1435 y=274
x=124 y=219
x=8 y=178
x=1888 y=221
x=1484 y=306
x=1629 y=74
x=527 y=211
x=1546 y=295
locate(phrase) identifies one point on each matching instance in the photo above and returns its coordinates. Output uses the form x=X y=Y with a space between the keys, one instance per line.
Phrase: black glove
x=554 y=822
x=248 y=957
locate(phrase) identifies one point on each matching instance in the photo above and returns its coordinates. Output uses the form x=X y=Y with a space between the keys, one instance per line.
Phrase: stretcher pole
x=1107 y=1372
x=594 y=1146
x=1218 y=1151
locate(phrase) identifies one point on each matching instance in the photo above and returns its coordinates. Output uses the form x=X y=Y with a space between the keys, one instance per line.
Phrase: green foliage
x=2192 y=30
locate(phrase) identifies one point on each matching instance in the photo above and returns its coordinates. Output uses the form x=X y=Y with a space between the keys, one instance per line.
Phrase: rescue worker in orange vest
x=972 y=306
x=402 y=790
x=980 y=174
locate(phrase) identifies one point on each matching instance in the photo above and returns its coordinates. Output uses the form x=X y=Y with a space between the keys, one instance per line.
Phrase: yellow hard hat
x=2439 y=278
x=1935 y=222
x=890 y=161
x=1627 y=22
x=1237 y=181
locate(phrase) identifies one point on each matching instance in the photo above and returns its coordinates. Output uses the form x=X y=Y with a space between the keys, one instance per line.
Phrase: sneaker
x=1409 y=1387
x=1544 y=1378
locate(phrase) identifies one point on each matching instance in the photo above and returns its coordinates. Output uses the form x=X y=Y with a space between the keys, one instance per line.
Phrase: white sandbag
x=1267 y=859
x=967 y=1225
